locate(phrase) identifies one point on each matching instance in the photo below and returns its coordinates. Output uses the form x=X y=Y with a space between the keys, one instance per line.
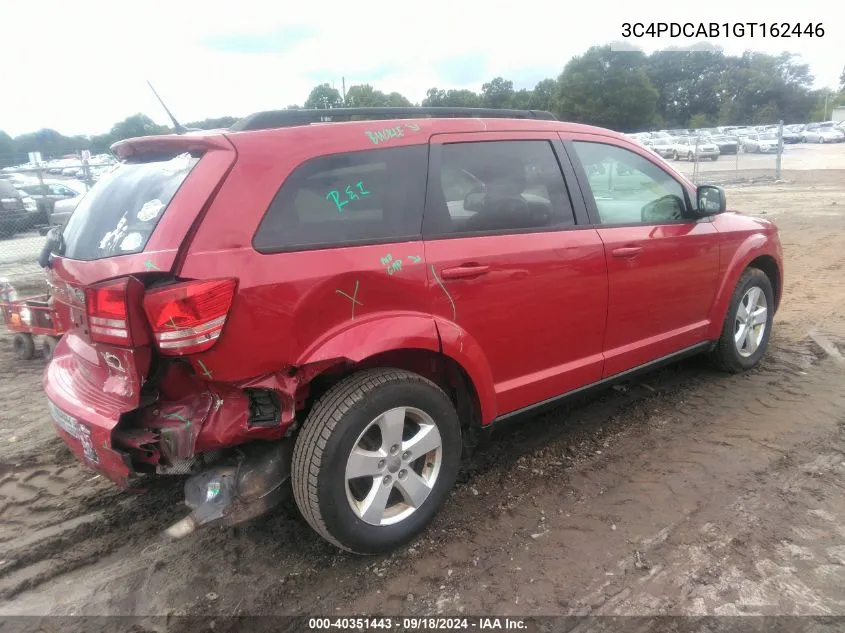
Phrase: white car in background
x=663 y=145
x=822 y=134
x=761 y=143
x=692 y=148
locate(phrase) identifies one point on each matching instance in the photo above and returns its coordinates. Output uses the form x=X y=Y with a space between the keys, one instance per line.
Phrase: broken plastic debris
x=150 y=210
x=131 y=242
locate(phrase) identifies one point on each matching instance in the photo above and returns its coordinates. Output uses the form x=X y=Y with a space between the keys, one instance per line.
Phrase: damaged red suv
x=340 y=300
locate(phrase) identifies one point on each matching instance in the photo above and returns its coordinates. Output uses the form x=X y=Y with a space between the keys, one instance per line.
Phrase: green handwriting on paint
x=349 y=194
x=395 y=265
x=380 y=136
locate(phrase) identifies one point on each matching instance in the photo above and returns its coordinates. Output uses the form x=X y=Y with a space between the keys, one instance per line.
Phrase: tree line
x=627 y=91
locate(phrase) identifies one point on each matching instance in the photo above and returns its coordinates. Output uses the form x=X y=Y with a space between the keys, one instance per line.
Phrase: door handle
x=466 y=271
x=627 y=251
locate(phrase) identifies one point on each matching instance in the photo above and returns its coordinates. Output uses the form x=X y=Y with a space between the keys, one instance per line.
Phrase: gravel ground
x=687 y=492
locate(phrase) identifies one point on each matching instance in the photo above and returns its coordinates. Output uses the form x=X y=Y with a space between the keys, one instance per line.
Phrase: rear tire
x=742 y=343
x=23 y=346
x=353 y=429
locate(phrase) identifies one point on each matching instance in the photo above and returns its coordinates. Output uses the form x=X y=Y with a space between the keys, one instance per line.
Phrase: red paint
x=526 y=316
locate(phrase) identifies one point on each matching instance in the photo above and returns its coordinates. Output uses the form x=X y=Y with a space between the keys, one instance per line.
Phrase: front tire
x=376 y=459
x=748 y=323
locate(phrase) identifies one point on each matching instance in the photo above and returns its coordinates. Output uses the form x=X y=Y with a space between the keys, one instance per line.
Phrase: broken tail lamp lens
x=188 y=317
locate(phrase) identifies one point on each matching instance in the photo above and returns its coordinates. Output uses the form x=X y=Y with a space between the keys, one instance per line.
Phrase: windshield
x=121 y=211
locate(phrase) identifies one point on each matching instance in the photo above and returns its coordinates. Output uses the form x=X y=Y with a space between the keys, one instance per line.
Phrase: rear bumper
x=84 y=416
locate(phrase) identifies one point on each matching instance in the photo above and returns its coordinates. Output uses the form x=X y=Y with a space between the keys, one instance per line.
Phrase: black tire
x=328 y=436
x=23 y=346
x=690 y=157
x=49 y=346
x=725 y=355
x=714 y=158
x=675 y=156
x=821 y=140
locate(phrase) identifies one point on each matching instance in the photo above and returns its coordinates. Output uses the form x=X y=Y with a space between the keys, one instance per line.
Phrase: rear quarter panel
x=295 y=308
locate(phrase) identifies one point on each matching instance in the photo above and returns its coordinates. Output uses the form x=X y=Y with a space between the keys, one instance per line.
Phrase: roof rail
x=290 y=118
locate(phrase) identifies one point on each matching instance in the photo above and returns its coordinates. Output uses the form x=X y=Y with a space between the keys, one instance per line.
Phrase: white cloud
x=80 y=66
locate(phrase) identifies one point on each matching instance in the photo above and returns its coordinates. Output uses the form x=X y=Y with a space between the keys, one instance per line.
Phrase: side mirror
x=710 y=199
x=474 y=201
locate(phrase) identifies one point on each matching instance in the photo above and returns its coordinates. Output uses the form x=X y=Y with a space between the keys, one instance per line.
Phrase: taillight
x=188 y=317
x=108 y=312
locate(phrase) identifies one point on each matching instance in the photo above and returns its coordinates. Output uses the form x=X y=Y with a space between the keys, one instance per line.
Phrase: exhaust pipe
x=239 y=492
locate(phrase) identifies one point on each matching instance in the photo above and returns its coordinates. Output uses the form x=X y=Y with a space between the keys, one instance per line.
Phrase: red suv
x=344 y=298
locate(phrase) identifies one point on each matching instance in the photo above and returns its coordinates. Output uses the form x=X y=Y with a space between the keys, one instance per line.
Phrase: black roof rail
x=289 y=118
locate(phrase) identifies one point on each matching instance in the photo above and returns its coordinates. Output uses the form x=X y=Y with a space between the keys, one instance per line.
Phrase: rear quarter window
x=352 y=198
x=119 y=214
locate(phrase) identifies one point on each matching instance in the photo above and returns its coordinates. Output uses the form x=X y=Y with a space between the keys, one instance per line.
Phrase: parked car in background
x=662 y=145
x=49 y=193
x=692 y=148
x=791 y=135
x=760 y=143
x=726 y=144
x=16 y=209
x=63 y=208
x=817 y=133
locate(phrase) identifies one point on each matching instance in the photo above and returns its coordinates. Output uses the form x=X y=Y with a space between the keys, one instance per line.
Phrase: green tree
x=136 y=125
x=212 y=124
x=396 y=100
x=497 y=93
x=323 y=97
x=7 y=150
x=365 y=96
x=434 y=98
x=609 y=89
x=544 y=95
x=842 y=79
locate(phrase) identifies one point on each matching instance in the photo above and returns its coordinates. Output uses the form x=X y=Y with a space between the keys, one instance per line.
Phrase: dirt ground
x=687 y=492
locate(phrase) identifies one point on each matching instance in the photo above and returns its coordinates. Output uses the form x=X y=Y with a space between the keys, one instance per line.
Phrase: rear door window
x=347 y=199
x=497 y=186
x=121 y=211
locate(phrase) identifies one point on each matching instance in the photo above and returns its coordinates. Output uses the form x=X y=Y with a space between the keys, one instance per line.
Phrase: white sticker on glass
x=150 y=210
x=131 y=242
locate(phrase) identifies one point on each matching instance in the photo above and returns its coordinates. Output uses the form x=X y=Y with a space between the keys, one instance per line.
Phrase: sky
x=78 y=67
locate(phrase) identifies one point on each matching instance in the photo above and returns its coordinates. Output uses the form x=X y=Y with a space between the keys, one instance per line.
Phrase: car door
x=515 y=282
x=663 y=264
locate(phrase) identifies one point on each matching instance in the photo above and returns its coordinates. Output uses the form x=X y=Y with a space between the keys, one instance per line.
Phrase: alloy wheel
x=393 y=466
x=750 y=323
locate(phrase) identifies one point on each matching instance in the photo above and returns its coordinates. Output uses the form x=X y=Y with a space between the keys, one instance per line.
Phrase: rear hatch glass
x=120 y=213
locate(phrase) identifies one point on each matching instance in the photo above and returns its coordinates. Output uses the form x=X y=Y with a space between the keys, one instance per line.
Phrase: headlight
x=29 y=204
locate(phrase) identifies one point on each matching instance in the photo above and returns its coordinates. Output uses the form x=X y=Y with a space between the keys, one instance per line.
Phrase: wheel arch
x=757 y=251
x=429 y=346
